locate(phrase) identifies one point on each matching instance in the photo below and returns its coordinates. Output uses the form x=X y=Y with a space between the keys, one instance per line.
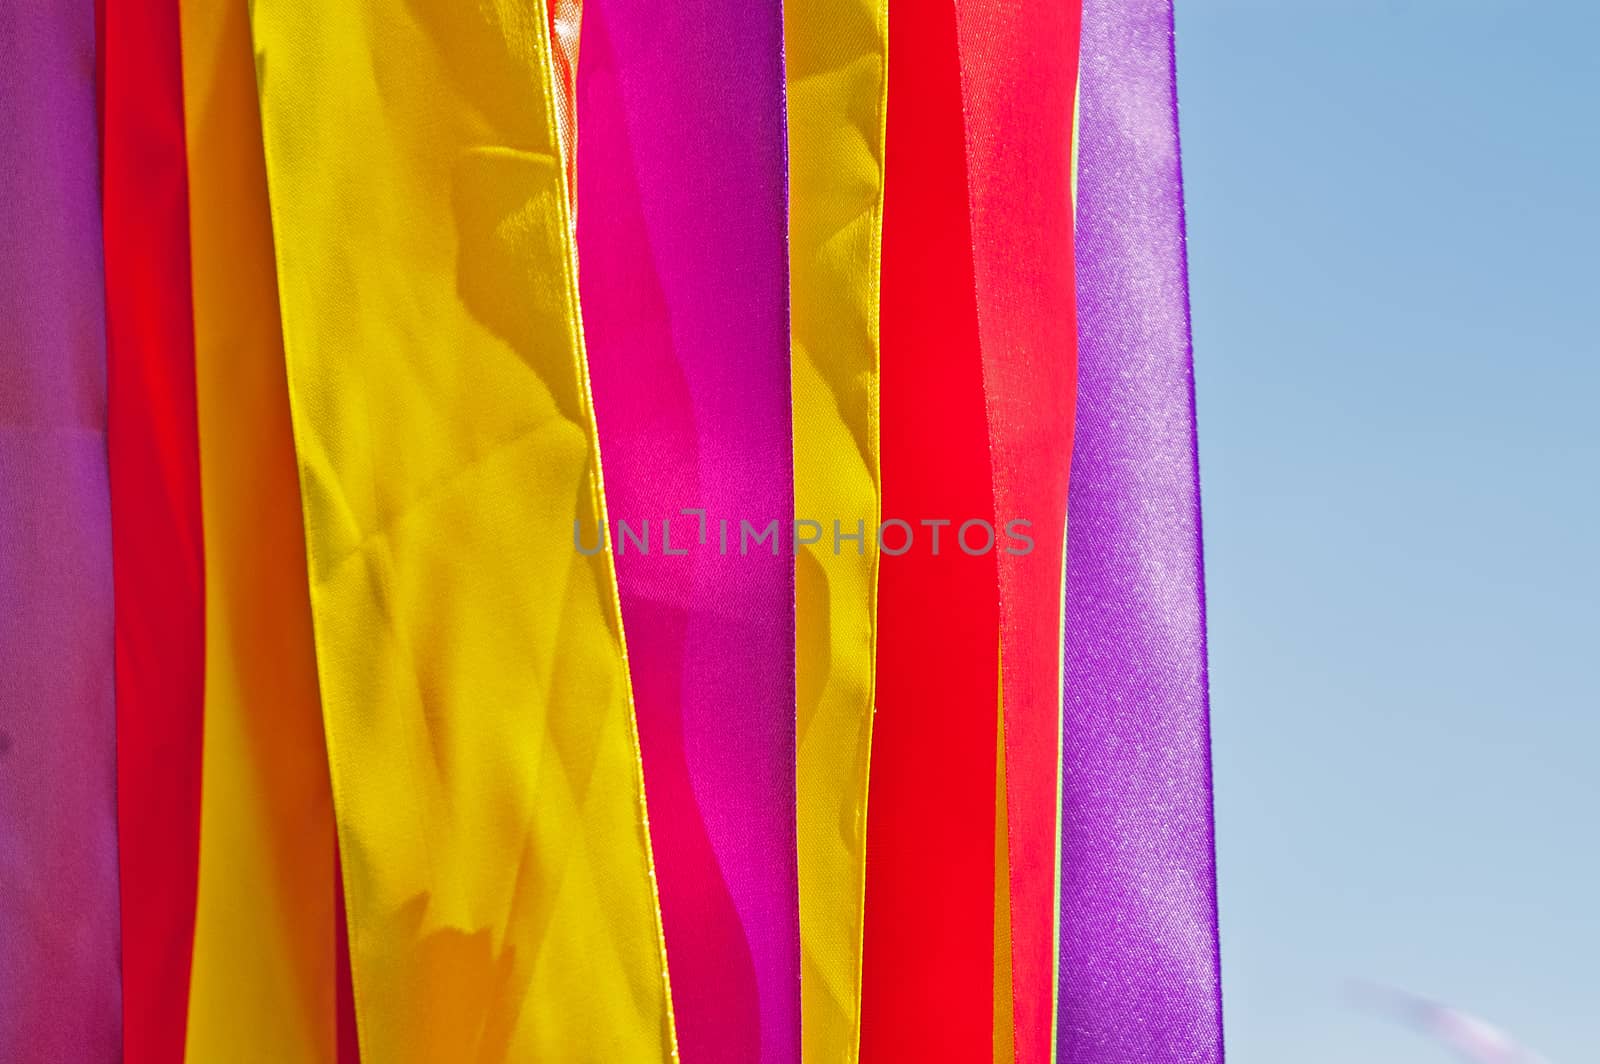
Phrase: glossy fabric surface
x=263 y=982
x=485 y=769
x=322 y=719
x=929 y=949
x=837 y=62
x=158 y=552
x=60 y=993
x=681 y=230
x=1019 y=78
x=1139 y=977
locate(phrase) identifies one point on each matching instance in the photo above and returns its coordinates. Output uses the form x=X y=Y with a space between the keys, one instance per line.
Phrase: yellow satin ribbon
x=485 y=763
x=836 y=51
x=263 y=983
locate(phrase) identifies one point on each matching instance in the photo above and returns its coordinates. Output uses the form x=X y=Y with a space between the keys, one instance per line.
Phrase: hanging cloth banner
x=836 y=55
x=60 y=997
x=485 y=768
x=929 y=950
x=264 y=951
x=155 y=518
x=1139 y=976
x=1019 y=68
x=682 y=220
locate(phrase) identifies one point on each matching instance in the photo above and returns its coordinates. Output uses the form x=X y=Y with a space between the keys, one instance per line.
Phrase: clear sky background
x=1394 y=239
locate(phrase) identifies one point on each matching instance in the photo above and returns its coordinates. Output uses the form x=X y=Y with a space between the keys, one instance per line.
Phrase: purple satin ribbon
x=60 y=991
x=1139 y=974
x=682 y=210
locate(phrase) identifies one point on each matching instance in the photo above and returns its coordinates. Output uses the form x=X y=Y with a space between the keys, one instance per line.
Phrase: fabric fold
x=264 y=981
x=485 y=765
x=1019 y=68
x=1139 y=972
x=60 y=993
x=682 y=219
x=837 y=64
x=157 y=539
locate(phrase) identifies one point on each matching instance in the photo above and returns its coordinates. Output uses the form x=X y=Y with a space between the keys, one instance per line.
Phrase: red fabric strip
x=928 y=967
x=155 y=517
x=1019 y=66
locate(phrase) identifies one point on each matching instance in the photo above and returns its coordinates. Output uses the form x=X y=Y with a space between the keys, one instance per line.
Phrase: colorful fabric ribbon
x=60 y=995
x=267 y=875
x=836 y=53
x=929 y=956
x=1139 y=972
x=1019 y=69
x=853 y=710
x=485 y=769
x=157 y=539
x=681 y=236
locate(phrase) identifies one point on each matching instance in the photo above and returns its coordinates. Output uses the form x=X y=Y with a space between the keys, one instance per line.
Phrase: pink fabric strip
x=682 y=236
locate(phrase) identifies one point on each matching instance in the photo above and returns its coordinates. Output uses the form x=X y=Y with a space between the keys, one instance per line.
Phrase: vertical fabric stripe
x=1005 y=1028
x=263 y=969
x=156 y=521
x=928 y=978
x=1019 y=75
x=682 y=220
x=1139 y=978
x=60 y=997
x=485 y=768
x=566 y=20
x=836 y=55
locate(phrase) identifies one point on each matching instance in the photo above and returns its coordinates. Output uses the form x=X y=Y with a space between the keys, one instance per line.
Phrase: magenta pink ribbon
x=682 y=207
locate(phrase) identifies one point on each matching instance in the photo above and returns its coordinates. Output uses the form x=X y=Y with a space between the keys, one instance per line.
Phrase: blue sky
x=1394 y=237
